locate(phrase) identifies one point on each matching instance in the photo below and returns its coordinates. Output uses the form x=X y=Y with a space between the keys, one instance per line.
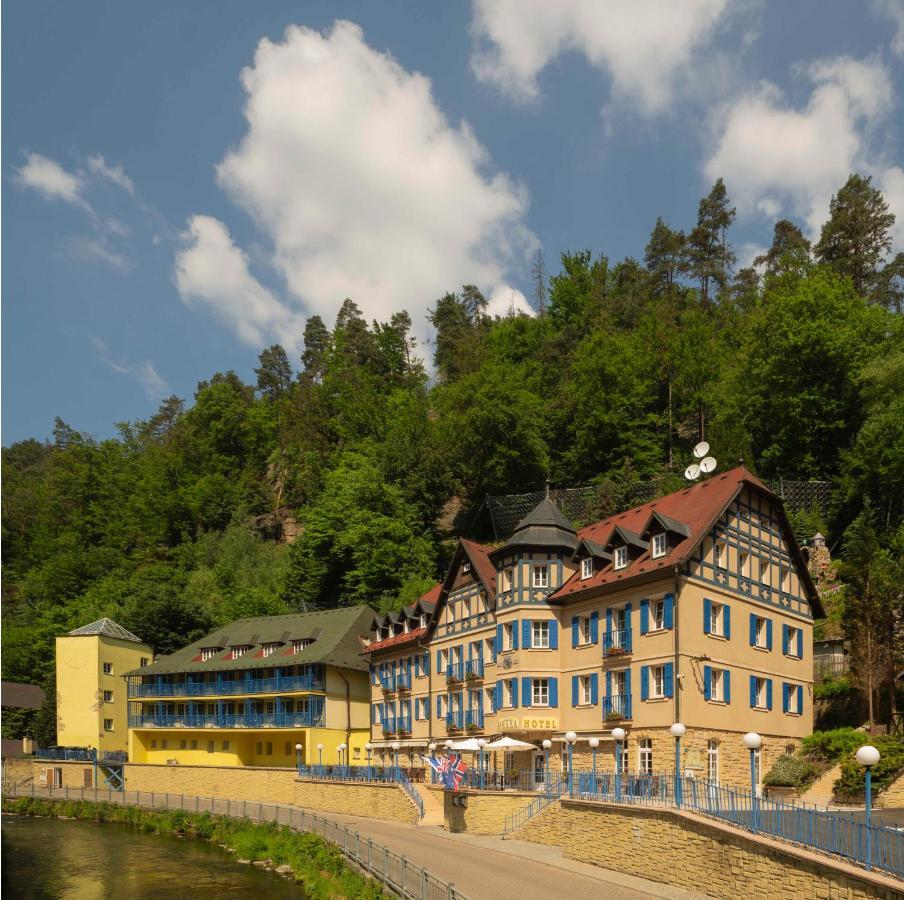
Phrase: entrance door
x=89 y=778
x=539 y=771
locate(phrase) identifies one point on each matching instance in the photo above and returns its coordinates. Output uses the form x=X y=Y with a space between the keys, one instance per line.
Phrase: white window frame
x=764 y=571
x=719 y=552
x=795 y=642
x=659 y=545
x=621 y=557
x=270 y=648
x=508 y=693
x=508 y=637
x=540 y=576
x=240 y=651
x=795 y=701
x=619 y=682
x=466 y=567
x=507 y=578
x=539 y=634
x=584 y=633
x=744 y=563
x=585 y=694
x=539 y=692
x=657 y=614
x=586 y=568
x=657 y=682
x=645 y=756
x=108 y=668
x=712 y=760
x=761 y=692
x=761 y=633
x=422 y=620
x=717 y=619
x=717 y=686
x=490 y=699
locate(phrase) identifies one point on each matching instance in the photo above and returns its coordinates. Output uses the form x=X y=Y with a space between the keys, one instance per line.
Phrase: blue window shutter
x=800 y=699
x=786 y=640
x=707 y=683
x=768 y=634
x=669 y=679
x=427 y=663
x=574 y=690
x=595 y=688
x=553 y=692
x=439 y=707
x=525 y=692
x=726 y=613
x=373 y=714
x=608 y=626
x=752 y=691
x=514 y=692
x=726 y=685
x=575 y=631
x=439 y=663
x=497 y=691
x=417 y=667
x=785 y=694
x=498 y=639
x=608 y=685
x=515 y=635
x=526 y=633
x=426 y=702
x=753 y=629
x=594 y=627
x=644 y=616
x=768 y=693
x=800 y=643
x=644 y=682
x=668 y=611
x=628 y=682
x=553 y=634
x=707 y=614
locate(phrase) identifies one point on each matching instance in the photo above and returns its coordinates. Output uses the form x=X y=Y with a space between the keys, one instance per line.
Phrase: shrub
x=832 y=688
x=791 y=771
x=890 y=765
x=830 y=746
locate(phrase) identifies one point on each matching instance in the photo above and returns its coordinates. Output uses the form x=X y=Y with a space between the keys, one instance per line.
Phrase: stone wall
x=690 y=852
x=74 y=774
x=375 y=801
x=18 y=771
x=485 y=813
x=893 y=795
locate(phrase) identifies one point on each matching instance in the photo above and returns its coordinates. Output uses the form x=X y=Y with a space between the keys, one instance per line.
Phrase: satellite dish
x=701 y=449
x=692 y=472
x=707 y=465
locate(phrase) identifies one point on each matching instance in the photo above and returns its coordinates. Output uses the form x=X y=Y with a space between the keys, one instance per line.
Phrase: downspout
x=348 y=709
x=676 y=619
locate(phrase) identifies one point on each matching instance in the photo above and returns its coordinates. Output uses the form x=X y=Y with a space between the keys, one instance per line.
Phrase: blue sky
x=183 y=183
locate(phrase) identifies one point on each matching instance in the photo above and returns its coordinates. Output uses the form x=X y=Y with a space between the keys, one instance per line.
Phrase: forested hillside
x=796 y=365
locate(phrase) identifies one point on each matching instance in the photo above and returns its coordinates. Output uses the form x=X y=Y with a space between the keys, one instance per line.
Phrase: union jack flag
x=449 y=769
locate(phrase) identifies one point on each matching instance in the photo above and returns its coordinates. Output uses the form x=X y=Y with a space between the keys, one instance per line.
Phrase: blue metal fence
x=81 y=754
x=617 y=706
x=309 y=719
x=228 y=687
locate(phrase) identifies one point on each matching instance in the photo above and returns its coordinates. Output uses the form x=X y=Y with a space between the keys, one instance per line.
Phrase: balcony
x=403 y=725
x=455 y=720
x=388 y=683
x=474 y=720
x=227 y=720
x=455 y=672
x=471 y=669
x=229 y=687
x=389 y=726
x=617 y=707
x=617 y=643
x=403 y=682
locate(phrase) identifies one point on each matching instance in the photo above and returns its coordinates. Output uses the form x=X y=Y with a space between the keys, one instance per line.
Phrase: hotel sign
x=528 y=724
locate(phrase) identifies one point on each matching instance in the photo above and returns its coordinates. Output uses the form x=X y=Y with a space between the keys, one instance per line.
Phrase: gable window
x=645 y=756
x=764 y=571
x=539 y=692
x=586 y=694
x=744 y=564
x=270 y=649
x=621 y=557
x=108 y=668
x=659 y=545
x=657 y=614
x=466 y=567
x=144 y=661
x=298 y=646
x=719 y=555
x=539 y=638
x=422 y=620
x=587 y=567
x=541 y=576
x=240 y=651
x=507 y=579
x=208 y=653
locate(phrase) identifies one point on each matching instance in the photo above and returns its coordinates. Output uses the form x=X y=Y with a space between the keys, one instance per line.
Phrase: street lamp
x=594 y=746
x=341 y=748
x=678 y=731
x=546 y=745
x=396 y=746
x=753 y=742
x=320 y=755
x=570 y=738
x=432 y=748
x=868 y=756
x=298 y=757
x=481 y=767
x=618 y=735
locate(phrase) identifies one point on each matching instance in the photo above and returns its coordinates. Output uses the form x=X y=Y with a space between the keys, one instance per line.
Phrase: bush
x=832 y=688
x=791 y=771
x=890 y=765
x=830 y=746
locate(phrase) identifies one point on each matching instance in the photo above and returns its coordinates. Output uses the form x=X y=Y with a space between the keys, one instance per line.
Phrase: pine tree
x=708 y=255
x=538 y=276
x=316 y=342
x=663 y=255
x=274 y=375
x=790 y=249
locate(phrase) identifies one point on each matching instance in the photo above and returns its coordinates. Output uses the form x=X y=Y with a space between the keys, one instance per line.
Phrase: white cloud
x=891 y=183
x=115 y=174
x=93 y=249
x=747 y=253
x=893 y=10
x=644 y=45
x=362 y=186
x=210 y=268
x=505 y=300
x=144 y=373
x=53 y=181
x=777 y=158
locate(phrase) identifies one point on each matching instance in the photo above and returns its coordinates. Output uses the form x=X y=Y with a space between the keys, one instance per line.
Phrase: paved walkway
x=484 y=867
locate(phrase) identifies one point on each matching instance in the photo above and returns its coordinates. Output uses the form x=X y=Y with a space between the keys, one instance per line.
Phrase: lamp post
x=298 y=757
x=320 y=755
x=618 y=735
x=868 y=756
x=753 y=742
x=546 y=745
x=341 y=748
x=432 y=748
x=369 y=747
x=481 y=765
x=678 y=731
x=570 y=738
x=396 y=746
x=594 y=746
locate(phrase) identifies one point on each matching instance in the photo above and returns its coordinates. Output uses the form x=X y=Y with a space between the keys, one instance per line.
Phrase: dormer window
x=422 y=620
x=209 y=653
x=541 y=576
x=240 y=650
x=270 y=648
x=405 y=628
x=587 y=567
x=660 y=545
x=466 y=567
x=621 y=557
x=298 y=646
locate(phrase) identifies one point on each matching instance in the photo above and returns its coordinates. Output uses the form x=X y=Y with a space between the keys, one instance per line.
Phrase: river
x=53 y=858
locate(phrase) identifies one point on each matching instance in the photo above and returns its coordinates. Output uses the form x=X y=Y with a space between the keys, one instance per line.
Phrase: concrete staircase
x=433 y=805
x=820 y=792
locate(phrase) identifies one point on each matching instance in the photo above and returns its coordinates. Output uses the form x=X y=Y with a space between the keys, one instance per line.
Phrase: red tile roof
x=479 y=554
x=431 y=597
x=398 y=640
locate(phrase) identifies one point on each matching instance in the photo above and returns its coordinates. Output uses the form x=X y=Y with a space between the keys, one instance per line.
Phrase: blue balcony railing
x=474 y=668
x=309 y=719
x=617 y=706
x=617 y=643
x=388 y=683
x=403 y=681
x=403 y=724
x=455 y=720
x=82 y=754
x=229 y=687
x=459 y=671
x=455 y=671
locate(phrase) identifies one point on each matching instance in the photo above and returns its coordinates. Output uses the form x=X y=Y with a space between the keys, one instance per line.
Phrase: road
x=484 y=867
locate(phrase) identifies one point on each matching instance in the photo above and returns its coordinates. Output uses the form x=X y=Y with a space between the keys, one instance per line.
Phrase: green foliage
x=791 y=771
x=830 y=746
x=890 y=765
x=832 y=688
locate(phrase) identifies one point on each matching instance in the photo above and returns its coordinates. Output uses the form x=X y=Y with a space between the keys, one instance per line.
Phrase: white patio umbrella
x=468 y=744
x=507 y=743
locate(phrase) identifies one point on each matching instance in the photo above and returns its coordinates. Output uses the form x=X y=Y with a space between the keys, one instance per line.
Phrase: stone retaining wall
x=485 y=813
x=688 y=851
x=893 y=795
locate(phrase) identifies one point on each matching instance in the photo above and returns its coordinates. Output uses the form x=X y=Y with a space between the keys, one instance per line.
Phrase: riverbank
x=313 y=863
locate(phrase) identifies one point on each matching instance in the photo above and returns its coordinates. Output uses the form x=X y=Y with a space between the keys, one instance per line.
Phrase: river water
x=53 y=858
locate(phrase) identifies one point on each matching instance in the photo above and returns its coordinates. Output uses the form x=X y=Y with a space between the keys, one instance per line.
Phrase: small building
x=92 y=709
x=20 y=703
x=249 y=692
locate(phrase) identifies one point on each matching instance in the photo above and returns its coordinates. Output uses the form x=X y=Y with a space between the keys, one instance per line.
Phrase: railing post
x=424 y=888
x=451 y=891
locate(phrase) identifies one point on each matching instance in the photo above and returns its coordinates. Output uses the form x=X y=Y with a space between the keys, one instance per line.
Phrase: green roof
x=335 y=634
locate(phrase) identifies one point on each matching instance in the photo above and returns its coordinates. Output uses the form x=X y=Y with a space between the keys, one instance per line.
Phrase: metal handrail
x=228 y=688
x=227 y=720
x=617 y=706
x=401 y=876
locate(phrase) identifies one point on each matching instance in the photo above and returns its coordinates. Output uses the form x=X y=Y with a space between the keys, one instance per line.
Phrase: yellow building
x=695 y=608
x=92 y=708
x=249 y=692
